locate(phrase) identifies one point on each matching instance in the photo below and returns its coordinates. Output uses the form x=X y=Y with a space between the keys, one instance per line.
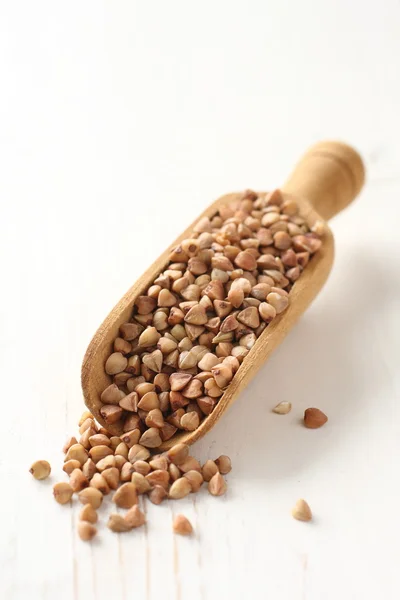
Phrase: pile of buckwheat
x=101 y=463
x=191 y=329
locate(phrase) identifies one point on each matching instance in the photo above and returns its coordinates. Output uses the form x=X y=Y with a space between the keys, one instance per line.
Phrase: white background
x=119 y=122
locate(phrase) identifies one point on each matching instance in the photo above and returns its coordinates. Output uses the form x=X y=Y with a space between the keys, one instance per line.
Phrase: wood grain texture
x=329 y=176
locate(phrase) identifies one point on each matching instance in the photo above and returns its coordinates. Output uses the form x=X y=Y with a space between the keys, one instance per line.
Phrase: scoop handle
x=329 y=175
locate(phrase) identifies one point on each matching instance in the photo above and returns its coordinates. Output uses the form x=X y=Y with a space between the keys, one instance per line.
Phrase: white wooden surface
x=119 y=122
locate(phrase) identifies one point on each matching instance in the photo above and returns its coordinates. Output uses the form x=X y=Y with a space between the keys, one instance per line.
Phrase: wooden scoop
x=326 y=180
